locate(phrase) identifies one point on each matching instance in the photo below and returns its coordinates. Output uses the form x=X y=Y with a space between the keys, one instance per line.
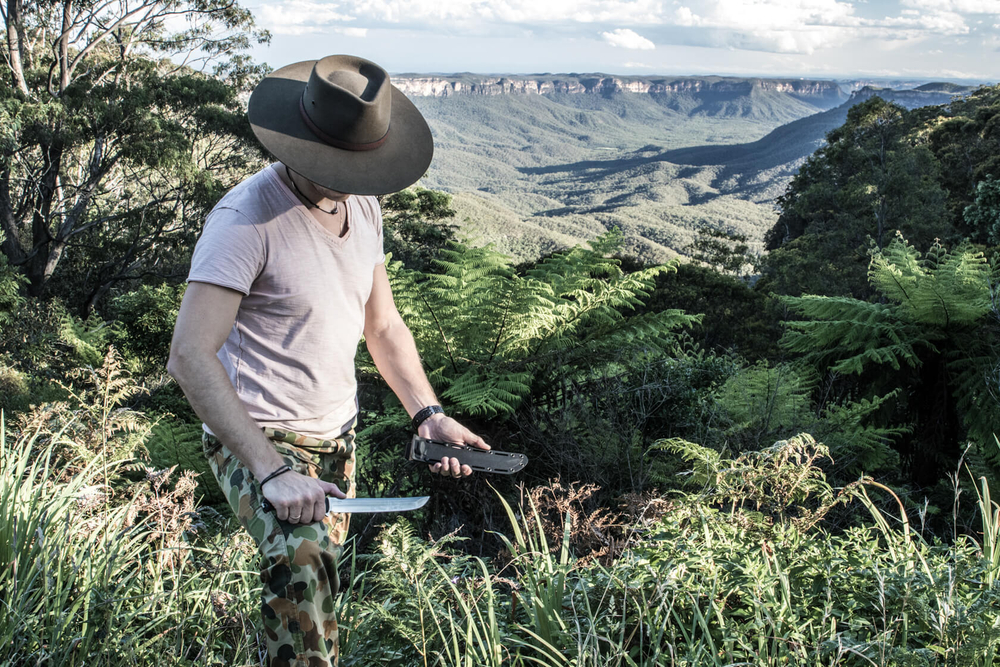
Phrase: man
x=287 y=276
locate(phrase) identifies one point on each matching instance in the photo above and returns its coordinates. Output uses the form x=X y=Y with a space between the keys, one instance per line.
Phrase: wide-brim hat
x=340 y=123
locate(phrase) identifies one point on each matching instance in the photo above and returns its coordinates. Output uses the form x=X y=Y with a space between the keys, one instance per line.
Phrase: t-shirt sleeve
x=230 y=252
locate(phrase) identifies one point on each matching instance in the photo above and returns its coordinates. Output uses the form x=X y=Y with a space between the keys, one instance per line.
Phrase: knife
x=365 y=505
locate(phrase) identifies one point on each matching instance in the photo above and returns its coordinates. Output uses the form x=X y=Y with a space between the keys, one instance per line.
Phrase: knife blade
x=369 y=505
x=366 y=505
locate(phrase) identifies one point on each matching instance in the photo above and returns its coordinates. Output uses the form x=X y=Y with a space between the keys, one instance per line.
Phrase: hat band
x=333 y=141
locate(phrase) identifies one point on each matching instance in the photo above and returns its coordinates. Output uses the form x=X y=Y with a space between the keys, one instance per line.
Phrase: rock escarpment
x=599 y=84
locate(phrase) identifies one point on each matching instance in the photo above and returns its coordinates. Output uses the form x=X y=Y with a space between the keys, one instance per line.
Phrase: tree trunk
x=67 y=25
x=11 y=246
x=39 y=266
x=14 y=40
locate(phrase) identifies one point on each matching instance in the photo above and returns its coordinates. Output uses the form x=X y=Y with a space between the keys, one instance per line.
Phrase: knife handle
x=268 y=507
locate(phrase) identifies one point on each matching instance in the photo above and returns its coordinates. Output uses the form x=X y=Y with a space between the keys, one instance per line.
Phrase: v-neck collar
x=304 y=211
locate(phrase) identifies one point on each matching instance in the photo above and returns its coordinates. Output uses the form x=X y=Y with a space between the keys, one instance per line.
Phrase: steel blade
x=371 y=505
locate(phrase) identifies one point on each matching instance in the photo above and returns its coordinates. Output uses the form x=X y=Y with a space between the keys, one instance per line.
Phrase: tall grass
x=94 y=575
x=109 y=563
x=713 y=581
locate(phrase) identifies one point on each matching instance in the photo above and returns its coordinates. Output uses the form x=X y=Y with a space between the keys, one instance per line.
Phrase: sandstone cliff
x=446 y=86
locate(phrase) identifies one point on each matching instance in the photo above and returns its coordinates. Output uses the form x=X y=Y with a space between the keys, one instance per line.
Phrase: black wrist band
x=425 y=413
x=280 y=471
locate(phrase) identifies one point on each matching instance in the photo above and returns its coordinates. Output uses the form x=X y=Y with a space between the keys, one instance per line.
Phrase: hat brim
x=396 y=164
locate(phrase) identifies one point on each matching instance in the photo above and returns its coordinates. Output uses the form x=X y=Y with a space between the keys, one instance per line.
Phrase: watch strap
x=424 y=414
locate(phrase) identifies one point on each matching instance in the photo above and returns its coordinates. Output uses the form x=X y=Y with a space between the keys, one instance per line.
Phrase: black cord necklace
x=336 y=205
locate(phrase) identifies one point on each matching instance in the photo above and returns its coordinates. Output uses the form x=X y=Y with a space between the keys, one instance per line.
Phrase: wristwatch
x=425 y=413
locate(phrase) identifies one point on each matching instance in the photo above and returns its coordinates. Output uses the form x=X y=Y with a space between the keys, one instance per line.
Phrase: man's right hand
x=299 y=499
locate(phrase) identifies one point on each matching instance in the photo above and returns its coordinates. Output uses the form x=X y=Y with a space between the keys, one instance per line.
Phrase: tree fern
x=932 y=340
x=489 y=336
x=941 y=288
x=766 y=402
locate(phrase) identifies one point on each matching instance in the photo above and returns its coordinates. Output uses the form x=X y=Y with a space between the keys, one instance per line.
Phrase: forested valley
x=777 y=459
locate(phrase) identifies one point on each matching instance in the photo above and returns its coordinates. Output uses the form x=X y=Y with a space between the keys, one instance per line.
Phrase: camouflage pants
x=298 y=566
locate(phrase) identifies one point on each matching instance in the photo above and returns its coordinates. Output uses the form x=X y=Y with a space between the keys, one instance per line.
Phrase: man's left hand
x=445 y=429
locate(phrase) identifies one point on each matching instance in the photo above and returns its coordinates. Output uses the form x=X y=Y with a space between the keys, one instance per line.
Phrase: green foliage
x=983 y=215
x=110 y=576
x=88 y=339
x=11 y=284
x=963 y=137
x=101 y=425
x=550 y=358
x=174 y=443
x=147 y=316
x=741 y=571
x=120 y=150
x=727 y=253
x=930 y=344
x=735 y=317
x=989 y=512
x=489 y=337
x=858 y=443
x=763 y=400
x=416 y=226
x=872 y=179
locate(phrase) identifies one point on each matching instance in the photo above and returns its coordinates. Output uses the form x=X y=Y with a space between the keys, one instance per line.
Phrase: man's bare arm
x=391 y=345
x=205 y=319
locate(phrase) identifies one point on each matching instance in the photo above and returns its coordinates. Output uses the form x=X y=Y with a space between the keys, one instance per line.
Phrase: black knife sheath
x=481 y=460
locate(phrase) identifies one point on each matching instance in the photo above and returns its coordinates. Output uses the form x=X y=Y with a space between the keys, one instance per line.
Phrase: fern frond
x=480 y=392
x=944 y=288
x=857 y=447
x=852 y=334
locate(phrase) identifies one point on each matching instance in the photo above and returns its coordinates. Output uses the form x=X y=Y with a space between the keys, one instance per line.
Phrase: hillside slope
x=532 y=170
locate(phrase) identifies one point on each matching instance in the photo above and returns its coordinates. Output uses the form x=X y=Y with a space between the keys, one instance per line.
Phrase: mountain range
x=545 y=161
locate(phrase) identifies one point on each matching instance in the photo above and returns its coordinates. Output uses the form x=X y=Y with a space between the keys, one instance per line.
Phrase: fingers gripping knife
x=482 y=460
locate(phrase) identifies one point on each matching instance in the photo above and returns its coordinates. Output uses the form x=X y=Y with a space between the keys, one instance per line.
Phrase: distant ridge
x=945 y=87
x=826 y=93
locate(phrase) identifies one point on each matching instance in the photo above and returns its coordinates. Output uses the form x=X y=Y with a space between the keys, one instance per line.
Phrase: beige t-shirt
x=290 y=354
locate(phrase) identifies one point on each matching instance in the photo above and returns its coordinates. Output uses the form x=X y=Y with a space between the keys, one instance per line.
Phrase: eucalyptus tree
x=121 y=122
x=930 y=343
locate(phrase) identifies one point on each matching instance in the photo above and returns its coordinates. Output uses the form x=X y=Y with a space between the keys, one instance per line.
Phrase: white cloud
x=939 y=23
x=509 y=11
x=352 y=32
x=959 y=6
x=300 y=17
x=779 y=26
x=627 y=39
x=683 y=16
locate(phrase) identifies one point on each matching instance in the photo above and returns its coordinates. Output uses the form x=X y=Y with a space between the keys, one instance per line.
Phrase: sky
x=906 y=39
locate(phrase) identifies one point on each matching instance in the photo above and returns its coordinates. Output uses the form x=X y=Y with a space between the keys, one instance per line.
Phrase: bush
x=147 y=317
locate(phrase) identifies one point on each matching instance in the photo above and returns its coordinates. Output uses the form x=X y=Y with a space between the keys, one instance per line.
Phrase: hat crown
x=348 y=99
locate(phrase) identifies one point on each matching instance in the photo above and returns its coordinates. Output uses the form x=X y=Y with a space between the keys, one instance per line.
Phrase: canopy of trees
x=120 y=124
